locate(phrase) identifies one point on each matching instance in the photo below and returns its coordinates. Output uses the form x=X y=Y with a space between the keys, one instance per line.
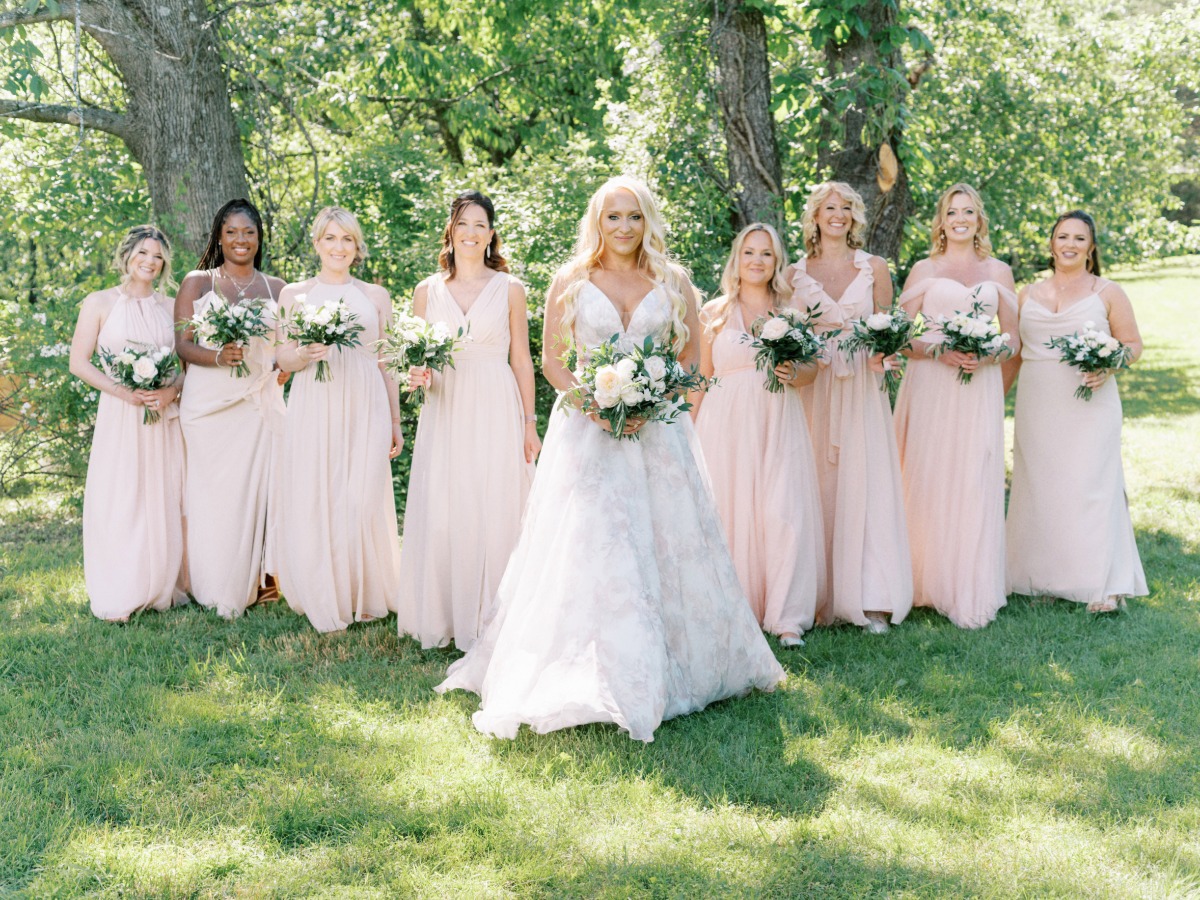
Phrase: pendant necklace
x=242 y=288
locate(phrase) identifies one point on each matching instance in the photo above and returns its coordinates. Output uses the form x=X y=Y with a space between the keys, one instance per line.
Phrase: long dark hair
x=213 y=255
x=1093 y=257
x=492 y=259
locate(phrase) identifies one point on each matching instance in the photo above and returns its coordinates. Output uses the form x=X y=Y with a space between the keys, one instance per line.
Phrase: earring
x=941 y=239
x=975 y=242
x=487 y=252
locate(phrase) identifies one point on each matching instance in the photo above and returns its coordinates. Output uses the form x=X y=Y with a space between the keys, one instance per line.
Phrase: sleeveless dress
x=469 y=477
x=760 y=462
x=338 y=551
x=133 y=497
x=1069 y=531
x=230 y=429
x=620 y=603
x=858 y=467
x=951 y=442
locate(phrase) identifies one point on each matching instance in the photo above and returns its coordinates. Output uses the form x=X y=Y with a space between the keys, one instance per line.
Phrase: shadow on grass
x=1149 y=389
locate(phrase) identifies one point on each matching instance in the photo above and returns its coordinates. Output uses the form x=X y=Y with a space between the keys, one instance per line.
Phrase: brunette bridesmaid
x=951 y=435
x=757 y=447
x=132 y=501
x=339 y=554
x=850 y=419
x=476 y=440
x=1069 y=531
x=230 y=425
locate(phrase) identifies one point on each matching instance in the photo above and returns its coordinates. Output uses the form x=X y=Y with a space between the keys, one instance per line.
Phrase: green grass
x=1052 y=754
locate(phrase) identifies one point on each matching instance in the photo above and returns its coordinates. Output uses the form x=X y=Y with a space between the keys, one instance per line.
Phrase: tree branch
x=98 y=119
x=15 y=17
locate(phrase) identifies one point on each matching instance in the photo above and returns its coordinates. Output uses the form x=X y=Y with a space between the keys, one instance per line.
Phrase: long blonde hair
x=652 y=256
x=858 y=216
x=717 y=312
x=134 y=238
x=983 y=244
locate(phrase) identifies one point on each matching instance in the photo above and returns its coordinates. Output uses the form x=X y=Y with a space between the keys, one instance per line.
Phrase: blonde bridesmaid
x=951 y=435
x=1069 y=531
x=230 y=425
x=132 y=502
x=850 y=419
x=757 y=447
x=476 y=440
x=338 y=550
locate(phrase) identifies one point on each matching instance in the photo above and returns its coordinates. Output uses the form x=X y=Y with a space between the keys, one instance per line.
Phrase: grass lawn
x=1053 y=754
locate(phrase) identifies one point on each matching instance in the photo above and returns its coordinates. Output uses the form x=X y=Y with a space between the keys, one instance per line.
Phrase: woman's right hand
x=632 y=426
x=230 y=355
x=419 y=377
x=312 y=353
x=968 y=362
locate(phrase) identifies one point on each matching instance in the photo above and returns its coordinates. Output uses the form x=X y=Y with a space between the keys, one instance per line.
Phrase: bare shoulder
x=516 y=290
x=922 y=269
x=879 y=266
x=1000 y=271
x=1111 y=292
x=296 y=288
x=275 y=284
x=100 y=301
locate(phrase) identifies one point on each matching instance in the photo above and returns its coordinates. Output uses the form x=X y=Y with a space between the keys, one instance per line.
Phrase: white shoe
x=791 y=640
x=876 y=624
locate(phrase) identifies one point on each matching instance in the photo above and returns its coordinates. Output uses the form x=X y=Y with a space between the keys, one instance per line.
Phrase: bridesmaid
x=951 y=435
x=230 y=425
x=133 y=499
x=338 y=550
x=850 y=419
x=757 y=446
x=1069 y=531
x=476 y=440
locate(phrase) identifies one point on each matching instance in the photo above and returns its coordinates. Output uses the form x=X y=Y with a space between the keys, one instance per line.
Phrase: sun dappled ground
x=1052 y=754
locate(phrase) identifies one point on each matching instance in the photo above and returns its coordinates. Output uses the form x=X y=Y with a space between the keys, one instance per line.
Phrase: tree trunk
x=178 y=123
x=738 y=36
x=846 y=156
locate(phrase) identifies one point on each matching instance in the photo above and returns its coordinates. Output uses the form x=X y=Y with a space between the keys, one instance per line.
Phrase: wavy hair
x=983 y=244
x=348 y=221
x=653 y=258
x=131 y=241
x=493 y=258
x=717 y=312
x=1093 y=258
x=858 y=216
x=213 y=256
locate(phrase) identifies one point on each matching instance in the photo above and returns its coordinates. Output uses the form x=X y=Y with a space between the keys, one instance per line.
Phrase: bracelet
x=217 y=358
x=530 y=419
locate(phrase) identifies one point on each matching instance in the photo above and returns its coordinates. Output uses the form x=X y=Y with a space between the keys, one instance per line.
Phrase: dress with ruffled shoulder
x=1069 y=531
x=133 y=497
x=338 y=547
x=951 y=442
x=764 y=480
x=620 y=602
x=231 y=427
x=858 y=466
x=469 y=476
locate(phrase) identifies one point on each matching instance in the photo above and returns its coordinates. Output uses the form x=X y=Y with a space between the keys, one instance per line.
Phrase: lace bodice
x=597 y=320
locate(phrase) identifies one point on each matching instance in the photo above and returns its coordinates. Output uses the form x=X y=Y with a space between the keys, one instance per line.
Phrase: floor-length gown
x=620 y=603
x=337 y=544
x=760 y=462
x=230 y=426
x=858 y=468
x=1068 y=529
x=951 y=441
x=133 y=498
x=469 y=476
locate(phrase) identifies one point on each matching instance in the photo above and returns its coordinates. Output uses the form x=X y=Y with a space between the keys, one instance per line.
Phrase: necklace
x=242 y=288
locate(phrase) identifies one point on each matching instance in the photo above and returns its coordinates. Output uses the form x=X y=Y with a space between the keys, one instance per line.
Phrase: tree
x=176 y=121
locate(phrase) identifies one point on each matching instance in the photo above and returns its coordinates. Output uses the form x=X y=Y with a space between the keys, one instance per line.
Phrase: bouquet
x=1090 y=351
x=883 y=332
x=786 y=335
x=412 y=341
x=645 y=382
x=143 y=368
x=331 y=324
x=971 y=332
x=221 y=323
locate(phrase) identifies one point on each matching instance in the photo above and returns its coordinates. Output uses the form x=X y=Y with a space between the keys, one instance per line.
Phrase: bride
x=620 y=603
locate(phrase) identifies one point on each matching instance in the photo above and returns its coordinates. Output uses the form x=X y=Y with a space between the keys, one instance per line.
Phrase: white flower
x=656 y=368
x=608 y=381
x=625 y=368
x=606 y=400
x=775 y=328
x=441 y=331
x=40 y=317
x=879 y=321
x=238 y=312
x=631 y=394
x=144 y=369
x=124 y=358
x=1104 y=352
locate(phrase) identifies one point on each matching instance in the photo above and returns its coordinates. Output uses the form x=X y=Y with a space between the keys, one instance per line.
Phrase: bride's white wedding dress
x=620 y=603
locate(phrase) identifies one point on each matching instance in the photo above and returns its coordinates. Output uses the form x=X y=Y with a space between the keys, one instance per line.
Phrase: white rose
x=631 y=394
x=879 y=321
x=144 y=369
x=774 y=328
x=441 y=330
x=656 y=368
x=238 y=312
x=1089 y=326
x=124 y=359
x=606 y=399
x=626 y=368
x=608 y=381
x=1104 y=352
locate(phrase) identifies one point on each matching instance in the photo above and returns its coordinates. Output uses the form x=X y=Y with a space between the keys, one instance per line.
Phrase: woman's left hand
x=160 y=399
x=1094 y=380
x=397 y=441
x=787 y=372
x=533 y=443
x=881 y=364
